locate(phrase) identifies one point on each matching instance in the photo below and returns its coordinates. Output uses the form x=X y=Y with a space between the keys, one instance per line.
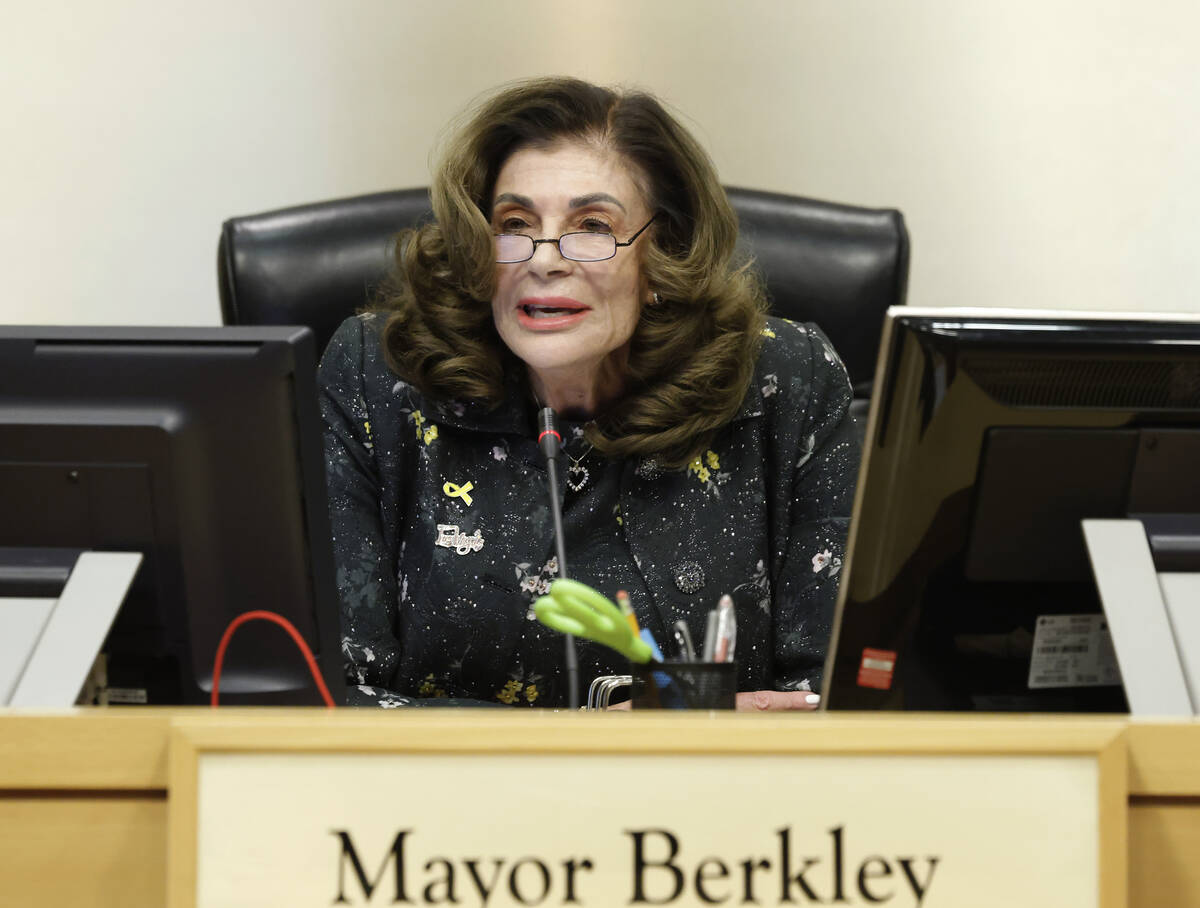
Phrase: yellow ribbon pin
x=459 y=491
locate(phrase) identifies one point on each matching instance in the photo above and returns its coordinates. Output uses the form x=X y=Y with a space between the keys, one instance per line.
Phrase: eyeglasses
x=578 y=247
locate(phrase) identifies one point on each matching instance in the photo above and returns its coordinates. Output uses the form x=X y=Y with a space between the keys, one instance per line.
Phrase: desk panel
x=1164 y=841
x=104 y=850
x=83 y=810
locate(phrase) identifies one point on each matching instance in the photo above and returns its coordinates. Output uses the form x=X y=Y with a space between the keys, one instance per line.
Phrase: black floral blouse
x=443 y=536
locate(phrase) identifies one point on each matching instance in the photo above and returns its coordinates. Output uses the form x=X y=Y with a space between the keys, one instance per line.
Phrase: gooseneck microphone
x=550 y=441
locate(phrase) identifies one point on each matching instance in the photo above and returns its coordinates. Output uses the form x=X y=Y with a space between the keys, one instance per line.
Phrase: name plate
x=470 y=809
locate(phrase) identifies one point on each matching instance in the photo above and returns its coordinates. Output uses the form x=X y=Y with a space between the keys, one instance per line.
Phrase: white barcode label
x=1072 y=651
x=126 y=695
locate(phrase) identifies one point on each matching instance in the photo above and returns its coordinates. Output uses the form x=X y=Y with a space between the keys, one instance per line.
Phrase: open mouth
x=534 y=310
x=550 y=313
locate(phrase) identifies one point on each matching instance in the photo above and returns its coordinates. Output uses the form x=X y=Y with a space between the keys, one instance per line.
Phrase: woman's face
x=552 y=312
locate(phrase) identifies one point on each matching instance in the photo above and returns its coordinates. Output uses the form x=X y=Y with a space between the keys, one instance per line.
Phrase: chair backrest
x=836 y=265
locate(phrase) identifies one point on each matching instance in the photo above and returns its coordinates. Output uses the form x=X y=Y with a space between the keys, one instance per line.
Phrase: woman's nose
x=547 y=259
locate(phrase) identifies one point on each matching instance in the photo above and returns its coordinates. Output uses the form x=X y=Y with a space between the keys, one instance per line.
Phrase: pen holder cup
x=684 y=685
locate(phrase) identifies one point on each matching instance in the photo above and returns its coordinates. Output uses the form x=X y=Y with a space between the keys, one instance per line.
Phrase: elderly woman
x=582 y=258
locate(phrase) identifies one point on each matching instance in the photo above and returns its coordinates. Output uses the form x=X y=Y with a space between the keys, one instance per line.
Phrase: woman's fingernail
x=814 y=699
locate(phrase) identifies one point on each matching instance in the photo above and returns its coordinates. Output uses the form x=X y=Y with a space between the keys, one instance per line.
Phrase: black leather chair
x=836 y=265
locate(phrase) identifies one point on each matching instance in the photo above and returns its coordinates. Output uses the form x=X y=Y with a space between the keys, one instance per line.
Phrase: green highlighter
x=576 y=608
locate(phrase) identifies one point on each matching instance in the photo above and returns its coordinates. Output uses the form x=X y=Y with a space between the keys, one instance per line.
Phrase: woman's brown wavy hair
x=692 y=354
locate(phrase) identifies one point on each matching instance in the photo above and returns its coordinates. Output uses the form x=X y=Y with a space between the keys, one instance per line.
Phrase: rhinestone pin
x=689 y=577
x=648 y=469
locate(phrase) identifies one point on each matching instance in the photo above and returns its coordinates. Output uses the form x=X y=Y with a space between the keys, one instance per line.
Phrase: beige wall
x=1044 y=151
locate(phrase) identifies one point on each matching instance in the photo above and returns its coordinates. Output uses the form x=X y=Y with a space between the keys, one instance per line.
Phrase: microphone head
x=549 y=439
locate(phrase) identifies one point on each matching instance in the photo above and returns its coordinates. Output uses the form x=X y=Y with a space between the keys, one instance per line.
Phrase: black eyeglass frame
x=558 y=243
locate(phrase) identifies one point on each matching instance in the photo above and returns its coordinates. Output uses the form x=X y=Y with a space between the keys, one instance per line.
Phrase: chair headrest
x=837 y=265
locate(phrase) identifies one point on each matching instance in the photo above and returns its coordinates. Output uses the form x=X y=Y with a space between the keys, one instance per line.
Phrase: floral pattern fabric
x=443 y=536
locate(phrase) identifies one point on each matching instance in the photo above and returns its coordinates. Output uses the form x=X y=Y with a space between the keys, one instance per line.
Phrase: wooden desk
x=83 y=801
x=1164 y=812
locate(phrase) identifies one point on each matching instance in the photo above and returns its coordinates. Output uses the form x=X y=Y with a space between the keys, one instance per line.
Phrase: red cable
x=287 y=626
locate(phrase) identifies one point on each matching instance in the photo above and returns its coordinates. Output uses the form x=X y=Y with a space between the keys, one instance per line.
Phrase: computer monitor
x=967 y=583
x=201 y=449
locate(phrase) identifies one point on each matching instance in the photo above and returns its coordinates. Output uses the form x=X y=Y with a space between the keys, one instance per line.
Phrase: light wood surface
x=127 y=748
x=92 y=783
x=1164 y=854
x=1164 y=757
x=85 y=748
x=87 y=852
x=547 y=732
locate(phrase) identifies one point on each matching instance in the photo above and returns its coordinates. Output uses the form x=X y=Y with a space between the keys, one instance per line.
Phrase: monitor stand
x=49 y=643
x=1148 y=574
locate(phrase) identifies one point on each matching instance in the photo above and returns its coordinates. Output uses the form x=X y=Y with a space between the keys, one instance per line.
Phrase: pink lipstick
x=550 y=313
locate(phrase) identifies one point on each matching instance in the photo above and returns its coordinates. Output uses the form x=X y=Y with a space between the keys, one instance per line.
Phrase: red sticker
x=876 y=668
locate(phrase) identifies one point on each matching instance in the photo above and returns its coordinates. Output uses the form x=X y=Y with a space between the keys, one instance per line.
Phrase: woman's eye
x=513 y=225
x=595 y=225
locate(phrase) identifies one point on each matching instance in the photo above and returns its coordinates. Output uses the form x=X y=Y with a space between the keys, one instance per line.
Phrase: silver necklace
x=577 y=473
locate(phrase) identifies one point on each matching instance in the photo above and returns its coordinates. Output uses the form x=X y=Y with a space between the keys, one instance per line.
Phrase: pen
x=710 y=636
x=683 y=640
x=726 y=630
x=626 y=608
x=655 y=653
x=661 y=679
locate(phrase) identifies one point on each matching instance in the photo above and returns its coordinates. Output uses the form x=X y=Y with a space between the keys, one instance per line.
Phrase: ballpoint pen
x=710 y=636
x=726 y=630
x=683 y=641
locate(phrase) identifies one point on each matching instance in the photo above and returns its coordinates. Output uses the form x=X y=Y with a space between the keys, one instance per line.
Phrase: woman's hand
x=771 y=700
